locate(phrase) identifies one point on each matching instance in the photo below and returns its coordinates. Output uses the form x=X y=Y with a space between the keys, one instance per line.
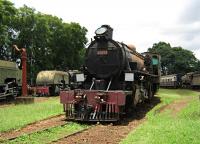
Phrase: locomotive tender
x=114 y=79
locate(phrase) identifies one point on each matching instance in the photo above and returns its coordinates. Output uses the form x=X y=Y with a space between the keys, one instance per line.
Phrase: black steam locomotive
x=114 y=80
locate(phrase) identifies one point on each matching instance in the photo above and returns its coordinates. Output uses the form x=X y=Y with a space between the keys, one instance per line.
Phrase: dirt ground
x=101 y=134
x=176 y=106
x=109 y=133
x=36 y=126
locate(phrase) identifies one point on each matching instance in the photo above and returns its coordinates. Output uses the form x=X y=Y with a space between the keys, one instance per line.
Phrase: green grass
x=169 y=95
x=164 y=128
x=49 y=135
x=17 y=116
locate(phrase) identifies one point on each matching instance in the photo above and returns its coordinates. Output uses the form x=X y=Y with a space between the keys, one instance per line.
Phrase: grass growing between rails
x=165 y=128
x=49 y=135
x=17 y=116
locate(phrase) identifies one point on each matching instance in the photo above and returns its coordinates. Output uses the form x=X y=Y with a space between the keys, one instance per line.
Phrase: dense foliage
x=50 y=42
x=7 y=13
x=175 y=59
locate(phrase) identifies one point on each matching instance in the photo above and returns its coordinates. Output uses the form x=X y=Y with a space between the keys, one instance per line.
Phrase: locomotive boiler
x=114 y=79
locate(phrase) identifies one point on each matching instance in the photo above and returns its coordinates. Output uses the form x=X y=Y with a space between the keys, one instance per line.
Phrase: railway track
x=73 y=134
x=98 y=133
x=109 y=133
x=42 y=125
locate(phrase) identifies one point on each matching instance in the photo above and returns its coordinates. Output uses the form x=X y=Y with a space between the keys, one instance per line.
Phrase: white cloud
x=139 y=22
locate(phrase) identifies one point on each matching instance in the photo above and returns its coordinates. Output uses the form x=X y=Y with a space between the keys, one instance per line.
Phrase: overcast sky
x=138 y=22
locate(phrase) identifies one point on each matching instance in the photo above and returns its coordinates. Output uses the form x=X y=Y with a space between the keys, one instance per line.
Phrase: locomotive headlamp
x=129 y=77
x=100 y=30
x=104 y=32
x=80 y=77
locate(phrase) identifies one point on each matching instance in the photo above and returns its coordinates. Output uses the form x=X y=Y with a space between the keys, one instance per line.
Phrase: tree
x=7 y=14
x=185 y=61
x=174 y=59
x=70 y=43
x=50 y=43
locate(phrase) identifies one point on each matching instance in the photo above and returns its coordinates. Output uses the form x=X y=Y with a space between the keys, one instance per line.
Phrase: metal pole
x=24 y=72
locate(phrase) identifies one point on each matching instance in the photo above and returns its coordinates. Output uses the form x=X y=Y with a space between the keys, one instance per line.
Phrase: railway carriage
x=173 y=81
x=114 y=79
x=195 y=80
x=189 y=80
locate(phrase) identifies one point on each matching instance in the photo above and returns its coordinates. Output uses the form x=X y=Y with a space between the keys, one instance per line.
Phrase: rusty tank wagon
x=50 y=82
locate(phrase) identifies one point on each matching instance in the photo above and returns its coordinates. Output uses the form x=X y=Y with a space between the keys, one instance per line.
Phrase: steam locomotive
x=114 y=79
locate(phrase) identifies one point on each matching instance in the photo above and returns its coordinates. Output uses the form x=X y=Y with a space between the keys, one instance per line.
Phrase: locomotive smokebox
x=104 y=32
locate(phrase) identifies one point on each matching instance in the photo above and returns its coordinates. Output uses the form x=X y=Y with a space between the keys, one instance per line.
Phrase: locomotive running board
x=136 y=71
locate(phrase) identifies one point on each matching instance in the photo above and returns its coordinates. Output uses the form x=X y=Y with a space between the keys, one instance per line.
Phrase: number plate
x=102 y=52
